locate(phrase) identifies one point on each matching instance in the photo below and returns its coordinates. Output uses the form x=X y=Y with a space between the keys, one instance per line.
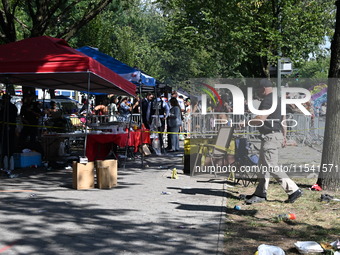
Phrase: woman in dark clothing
x=8 y=115
x=174 y=122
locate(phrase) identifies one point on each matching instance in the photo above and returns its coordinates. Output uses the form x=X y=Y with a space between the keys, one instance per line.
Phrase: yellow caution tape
x=148 y=131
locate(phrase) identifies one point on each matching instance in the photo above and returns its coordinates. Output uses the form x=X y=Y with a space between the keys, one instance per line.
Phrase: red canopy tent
x=48 y=62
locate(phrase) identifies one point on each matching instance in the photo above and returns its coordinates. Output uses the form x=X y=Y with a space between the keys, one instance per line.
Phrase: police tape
x=151 y=131
x=28 y=125
x=236 y=133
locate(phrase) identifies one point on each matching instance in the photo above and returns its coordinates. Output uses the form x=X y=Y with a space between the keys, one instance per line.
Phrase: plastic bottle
x=237 y=207
x=285 y=217
x=174 y=174
x=61 y=151
x=11 y=163
x=156 y=146
x=6 y=163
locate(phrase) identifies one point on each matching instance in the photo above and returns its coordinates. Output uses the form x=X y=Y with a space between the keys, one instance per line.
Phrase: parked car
x=65 y=105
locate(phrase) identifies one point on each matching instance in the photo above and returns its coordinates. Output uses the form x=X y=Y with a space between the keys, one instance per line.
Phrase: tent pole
x=87 y=110
x=127 y=141
x=2 y=136
x=141 y=124
x=43 y=107
x=4 y=124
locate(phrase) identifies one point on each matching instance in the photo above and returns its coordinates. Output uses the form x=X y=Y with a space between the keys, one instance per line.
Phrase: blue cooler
x=27 y=159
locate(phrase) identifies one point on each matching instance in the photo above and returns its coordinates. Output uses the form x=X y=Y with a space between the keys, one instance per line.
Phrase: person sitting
x=55 y=121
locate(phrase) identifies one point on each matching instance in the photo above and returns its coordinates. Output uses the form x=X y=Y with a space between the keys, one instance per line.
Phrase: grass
x=256 y=224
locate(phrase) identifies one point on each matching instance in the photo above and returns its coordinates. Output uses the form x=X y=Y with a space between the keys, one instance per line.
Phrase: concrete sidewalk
x=42 y=214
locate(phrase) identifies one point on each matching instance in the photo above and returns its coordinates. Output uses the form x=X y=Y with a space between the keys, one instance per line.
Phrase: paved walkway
x=42 y=214
x=48 y=217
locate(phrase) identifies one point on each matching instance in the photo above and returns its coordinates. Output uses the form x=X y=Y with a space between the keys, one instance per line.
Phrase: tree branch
x=7 y=22
x=51 y=19
x=23 y=25
x=69 y=32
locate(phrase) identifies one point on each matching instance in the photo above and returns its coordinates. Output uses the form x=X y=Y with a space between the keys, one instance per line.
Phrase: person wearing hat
x=273 y=136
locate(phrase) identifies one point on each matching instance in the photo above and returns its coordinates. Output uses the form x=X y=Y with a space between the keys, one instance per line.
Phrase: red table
x=98 y=146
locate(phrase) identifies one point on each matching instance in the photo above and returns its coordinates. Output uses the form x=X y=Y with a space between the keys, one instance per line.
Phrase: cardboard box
x=106 y=173
x=27 y=159
x=83 y=175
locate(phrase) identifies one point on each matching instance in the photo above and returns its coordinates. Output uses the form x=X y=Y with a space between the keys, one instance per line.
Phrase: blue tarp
x=129 y=73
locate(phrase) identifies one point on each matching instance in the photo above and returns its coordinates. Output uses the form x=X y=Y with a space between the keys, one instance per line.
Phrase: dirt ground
x=257 y=224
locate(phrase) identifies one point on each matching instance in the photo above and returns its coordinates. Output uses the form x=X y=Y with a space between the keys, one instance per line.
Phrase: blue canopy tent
x=143 y=81
x=129 y=73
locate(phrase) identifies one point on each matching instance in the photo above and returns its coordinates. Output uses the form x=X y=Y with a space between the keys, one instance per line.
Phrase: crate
x=27 y=159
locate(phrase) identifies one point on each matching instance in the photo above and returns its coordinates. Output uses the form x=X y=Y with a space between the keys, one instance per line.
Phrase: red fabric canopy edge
x=46 y=54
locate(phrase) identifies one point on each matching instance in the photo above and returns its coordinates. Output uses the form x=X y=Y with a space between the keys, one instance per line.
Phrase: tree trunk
x=329 y=176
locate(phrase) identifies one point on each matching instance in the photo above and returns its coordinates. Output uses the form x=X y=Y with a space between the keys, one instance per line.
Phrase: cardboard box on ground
x=83 y=175
x=106 y=172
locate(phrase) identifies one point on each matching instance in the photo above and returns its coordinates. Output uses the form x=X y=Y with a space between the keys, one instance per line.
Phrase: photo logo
x=238 y=100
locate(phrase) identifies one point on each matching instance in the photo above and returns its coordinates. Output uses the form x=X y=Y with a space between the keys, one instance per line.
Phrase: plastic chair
x=217 y=151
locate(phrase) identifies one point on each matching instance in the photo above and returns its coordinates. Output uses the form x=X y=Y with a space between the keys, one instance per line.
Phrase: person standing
x=160 y=112
x=187 y=117
x=112 y=109
x=8 y=115
x=273 y=135
x=173 y=95
x=125 y=109
x=30 y=115
x=174 y=123
x=147 y=110
x=136 y=105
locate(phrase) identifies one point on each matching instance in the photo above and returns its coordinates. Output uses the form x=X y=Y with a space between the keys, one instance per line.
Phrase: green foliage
x=30 y=18
x=249 y=35
x=314 y=68
x=174 y=40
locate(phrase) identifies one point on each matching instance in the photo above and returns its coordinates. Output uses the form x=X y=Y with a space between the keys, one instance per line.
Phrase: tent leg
x=87 y=111
x=141 y=125
x=5 y=132
x=127 y=142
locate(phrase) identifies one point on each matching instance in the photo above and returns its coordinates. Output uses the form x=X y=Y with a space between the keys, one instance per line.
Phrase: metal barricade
x=300 y=128
x=305 y=129
x=205 y=125
x=136 y=118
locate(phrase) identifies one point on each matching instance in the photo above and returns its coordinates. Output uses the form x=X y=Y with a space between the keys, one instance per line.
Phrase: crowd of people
x=159 y=113
x=165 y=113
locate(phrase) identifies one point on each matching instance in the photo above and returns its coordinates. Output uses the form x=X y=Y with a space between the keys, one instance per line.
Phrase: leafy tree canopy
x=21 y=19
x=249 y=35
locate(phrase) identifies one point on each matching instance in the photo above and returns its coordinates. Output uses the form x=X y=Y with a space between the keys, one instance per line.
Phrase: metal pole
x=87 y=110
x=141 y=124
x=279 y=53
x=279 y=78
